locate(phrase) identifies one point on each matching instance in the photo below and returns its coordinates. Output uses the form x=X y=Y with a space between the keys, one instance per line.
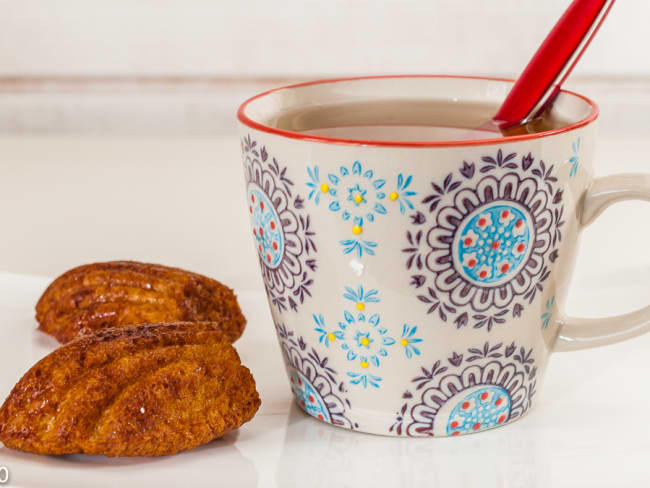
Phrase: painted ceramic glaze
x=418 y=289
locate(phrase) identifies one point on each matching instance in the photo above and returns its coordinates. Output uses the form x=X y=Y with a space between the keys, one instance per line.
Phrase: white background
x=181 y=67
x=298 y=38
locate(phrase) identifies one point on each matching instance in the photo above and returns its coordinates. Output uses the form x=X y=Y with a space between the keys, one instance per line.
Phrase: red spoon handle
x=553 y=61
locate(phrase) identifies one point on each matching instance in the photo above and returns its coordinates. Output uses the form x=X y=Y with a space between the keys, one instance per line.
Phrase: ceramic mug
x=418 y=288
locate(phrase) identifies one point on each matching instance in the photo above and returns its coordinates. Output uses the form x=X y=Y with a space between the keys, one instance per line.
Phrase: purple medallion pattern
x=483 y=247
x=281 y=229
x=472 y=391
x=314 y=384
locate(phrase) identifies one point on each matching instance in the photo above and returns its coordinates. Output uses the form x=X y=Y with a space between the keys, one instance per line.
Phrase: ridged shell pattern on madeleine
x=143 y=390
x=96 y=296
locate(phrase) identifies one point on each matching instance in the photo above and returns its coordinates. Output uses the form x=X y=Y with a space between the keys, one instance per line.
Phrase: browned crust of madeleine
x=117 y=293
x=144 y=390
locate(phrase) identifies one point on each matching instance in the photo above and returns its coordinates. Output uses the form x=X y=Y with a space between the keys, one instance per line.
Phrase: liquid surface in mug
x=403 y=120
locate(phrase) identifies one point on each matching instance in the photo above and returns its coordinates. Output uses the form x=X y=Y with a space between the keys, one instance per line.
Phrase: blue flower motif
x=364 y=339
x=546 y=316
x=364 y=379
x=357 y=196
x=408 y=341
x=361 y=297
x=357 y=193
x=575 y=159
x=324 y=336
x=316 y=187
x=402 y=194
x=358 y=246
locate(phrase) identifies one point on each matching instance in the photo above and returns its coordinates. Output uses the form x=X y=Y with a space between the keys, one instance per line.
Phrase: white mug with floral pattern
x=418 y=288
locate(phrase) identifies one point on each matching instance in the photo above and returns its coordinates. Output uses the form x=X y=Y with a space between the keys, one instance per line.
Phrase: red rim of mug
x=244 y=119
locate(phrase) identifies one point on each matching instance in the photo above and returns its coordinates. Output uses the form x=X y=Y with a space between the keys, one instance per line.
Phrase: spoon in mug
x=536 y=88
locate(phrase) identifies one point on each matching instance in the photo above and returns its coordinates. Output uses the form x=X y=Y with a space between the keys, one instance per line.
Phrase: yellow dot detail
x=365 y=341
x=361 y=306
x=331 y=337
x=393 y=196
x=357 y=229
x=364 y=364
x=358 y=198
x=404 y=342
x=324 y=188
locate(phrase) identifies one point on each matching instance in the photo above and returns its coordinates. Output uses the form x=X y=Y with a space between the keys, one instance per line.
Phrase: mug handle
x=578 y=333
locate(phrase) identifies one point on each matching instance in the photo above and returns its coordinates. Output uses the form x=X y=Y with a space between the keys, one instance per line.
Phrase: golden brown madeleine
x=143 y=390
x=96 y=296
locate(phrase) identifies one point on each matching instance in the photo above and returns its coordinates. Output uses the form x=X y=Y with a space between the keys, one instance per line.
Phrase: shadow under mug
x=417 y=287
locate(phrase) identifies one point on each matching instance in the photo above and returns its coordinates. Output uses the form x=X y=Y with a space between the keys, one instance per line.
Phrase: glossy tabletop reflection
x=587 y=429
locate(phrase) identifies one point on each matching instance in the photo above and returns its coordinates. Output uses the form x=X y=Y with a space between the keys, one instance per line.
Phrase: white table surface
x=588 y=428
x=70 y=200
